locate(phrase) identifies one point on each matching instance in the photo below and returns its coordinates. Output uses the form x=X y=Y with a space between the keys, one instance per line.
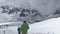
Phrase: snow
x=50 y=26
x=9 y=30
x=7 y=23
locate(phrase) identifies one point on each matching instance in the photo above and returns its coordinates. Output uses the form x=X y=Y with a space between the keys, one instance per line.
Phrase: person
x=4 y=31
x=19 y=31
x=24 y=27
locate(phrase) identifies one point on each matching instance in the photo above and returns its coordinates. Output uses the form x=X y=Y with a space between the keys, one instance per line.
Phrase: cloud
x=2 y=0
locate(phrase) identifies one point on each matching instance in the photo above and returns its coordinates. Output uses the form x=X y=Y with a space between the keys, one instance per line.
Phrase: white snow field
x=9 y=30
x=50 y=26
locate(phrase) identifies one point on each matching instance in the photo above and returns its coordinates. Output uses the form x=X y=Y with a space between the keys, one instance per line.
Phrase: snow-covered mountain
x=20 y=14
x=43 y=6
x=29 y=10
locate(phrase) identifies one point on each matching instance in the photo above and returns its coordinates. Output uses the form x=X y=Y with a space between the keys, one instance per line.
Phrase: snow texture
x=50 y=26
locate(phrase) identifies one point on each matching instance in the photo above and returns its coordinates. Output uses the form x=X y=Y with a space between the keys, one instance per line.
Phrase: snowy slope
x=9 y=30
x=51 y=26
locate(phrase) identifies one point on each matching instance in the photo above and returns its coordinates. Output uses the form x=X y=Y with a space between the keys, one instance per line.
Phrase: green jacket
x=24 y=27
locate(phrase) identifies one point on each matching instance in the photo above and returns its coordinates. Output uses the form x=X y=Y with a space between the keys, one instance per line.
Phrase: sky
x=30 y=4
x=34 y=2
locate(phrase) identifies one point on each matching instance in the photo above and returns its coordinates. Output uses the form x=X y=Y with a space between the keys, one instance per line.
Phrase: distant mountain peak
x=30 y=14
